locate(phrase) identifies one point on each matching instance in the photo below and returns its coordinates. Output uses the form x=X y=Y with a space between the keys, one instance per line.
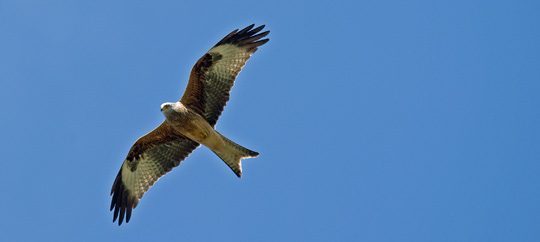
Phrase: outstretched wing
x=151 y=157
x=213 y=76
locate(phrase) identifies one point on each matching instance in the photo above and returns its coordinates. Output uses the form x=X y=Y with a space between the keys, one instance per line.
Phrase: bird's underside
x=189 y=122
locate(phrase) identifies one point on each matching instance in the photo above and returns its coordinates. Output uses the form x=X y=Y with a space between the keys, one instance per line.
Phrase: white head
x=167 y=106
x=173 y=111
x=169 y=110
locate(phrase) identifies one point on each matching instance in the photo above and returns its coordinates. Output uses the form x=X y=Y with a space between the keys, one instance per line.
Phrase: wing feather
x=151 y=157
x=213 y=76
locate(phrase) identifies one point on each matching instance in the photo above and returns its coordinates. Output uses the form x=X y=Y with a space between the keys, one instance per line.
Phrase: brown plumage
x=189 y=122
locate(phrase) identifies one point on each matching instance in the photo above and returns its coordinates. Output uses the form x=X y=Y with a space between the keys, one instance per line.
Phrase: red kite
x=189 y=122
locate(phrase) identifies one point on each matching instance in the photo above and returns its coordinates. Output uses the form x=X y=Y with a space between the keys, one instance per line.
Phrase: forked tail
x=233 y=154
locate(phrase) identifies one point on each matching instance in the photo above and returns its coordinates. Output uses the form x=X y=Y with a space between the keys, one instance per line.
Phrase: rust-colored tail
x=233 y=155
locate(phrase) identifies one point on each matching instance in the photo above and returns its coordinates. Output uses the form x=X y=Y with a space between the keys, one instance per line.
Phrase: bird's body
x=192 y=125
x=189 y=122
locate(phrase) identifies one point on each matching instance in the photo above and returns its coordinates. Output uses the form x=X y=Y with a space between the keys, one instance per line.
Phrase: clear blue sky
x=375 y=120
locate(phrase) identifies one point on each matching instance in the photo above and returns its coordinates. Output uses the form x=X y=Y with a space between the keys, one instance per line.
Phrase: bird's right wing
x=151 y=157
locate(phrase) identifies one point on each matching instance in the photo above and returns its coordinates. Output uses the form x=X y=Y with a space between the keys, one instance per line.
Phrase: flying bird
x=189 y=122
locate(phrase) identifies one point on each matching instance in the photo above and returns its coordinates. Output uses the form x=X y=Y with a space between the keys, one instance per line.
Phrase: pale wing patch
x=220 y=78
x=153 y=164
x=233 y=60
x=139 y=181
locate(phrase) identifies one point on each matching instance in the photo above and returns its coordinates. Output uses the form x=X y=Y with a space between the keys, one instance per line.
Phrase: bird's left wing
x=151 y=157
x=213 y=76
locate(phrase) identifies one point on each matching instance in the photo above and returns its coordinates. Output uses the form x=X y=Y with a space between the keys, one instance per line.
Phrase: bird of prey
x=189 y=122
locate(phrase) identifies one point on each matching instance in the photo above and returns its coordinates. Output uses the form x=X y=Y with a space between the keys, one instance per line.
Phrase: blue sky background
x=375 y=120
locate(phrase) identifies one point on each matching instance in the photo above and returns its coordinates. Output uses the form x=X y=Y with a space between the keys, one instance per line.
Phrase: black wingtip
x=246 y=29
x=122 y=201
x=246 y=37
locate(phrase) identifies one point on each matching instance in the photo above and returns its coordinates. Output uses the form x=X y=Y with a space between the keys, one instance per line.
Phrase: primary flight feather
x=189 y=122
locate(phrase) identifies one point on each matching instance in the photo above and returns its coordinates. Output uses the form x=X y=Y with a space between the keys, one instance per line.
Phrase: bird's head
x=166 y=106
x=173 y=111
